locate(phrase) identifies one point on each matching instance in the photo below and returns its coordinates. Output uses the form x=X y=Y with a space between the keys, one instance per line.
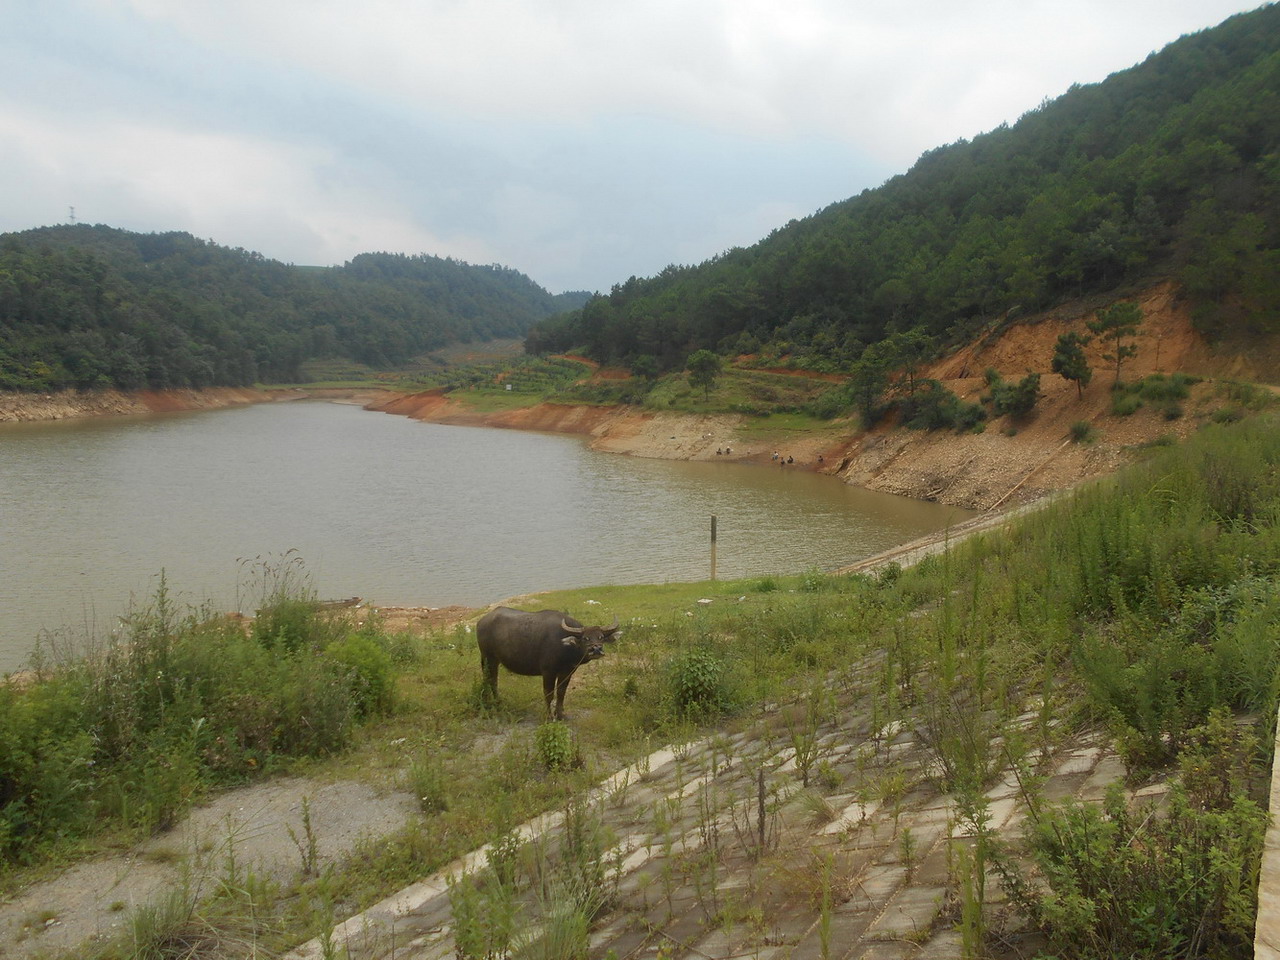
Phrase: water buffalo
x=548 y=644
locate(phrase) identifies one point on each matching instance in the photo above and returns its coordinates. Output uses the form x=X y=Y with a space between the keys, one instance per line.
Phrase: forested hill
x=1170 y=168
x=89 y=306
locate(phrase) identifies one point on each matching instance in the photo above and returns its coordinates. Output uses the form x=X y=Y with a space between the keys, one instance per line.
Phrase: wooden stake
x=713 y=546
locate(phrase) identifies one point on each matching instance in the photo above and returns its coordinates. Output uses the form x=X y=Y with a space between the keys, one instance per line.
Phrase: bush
x=1014 y=399
x=1082 y=431
x=829 y=404
x=427 y=782
x=1157 y=387
x=1163 y=392
x=933 y=407
x=698 y=682
x=138 y=729
x=815 y=581
x=1121 y=882
x=370 y=673
x=555 y=746
x=1124 y=404
x=290 y=624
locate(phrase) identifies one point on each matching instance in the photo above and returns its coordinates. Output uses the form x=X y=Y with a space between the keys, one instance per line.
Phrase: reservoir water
x=396 y=511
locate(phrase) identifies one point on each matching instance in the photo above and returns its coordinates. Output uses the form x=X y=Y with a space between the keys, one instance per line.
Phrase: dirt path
x=261 y=829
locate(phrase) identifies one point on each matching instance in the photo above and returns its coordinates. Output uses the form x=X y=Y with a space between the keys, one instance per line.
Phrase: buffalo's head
x=590 y=640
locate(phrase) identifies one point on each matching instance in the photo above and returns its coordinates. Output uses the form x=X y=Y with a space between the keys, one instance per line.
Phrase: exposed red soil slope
x=1007 y=463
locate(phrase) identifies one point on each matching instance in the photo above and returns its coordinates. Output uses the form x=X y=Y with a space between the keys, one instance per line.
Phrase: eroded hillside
x=1009 y=461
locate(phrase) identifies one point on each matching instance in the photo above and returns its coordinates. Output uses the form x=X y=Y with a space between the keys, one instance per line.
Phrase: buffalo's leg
x=549 y=684
x=562 y=684
x=489 y=678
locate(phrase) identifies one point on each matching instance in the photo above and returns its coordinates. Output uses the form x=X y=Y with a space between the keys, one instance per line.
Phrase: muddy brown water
x=396 y=511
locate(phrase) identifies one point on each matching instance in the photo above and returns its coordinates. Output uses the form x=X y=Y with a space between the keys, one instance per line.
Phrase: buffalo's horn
x=614 y=628
x=564 y=625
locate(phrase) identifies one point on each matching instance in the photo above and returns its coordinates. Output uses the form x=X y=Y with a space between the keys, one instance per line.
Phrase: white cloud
x=212 y=184
x=901 y=77
x=578 y=140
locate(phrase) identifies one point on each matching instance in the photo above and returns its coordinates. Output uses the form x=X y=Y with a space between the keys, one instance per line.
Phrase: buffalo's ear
x=612 y=635
x=569 y=641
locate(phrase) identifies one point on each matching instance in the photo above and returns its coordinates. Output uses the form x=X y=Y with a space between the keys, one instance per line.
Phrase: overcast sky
x=579 y=141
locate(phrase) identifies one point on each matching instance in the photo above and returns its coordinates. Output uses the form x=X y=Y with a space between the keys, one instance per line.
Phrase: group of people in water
x=778 y=458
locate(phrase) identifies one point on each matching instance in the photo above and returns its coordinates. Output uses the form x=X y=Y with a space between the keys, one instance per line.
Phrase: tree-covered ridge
x=90 y=306
x=1170 y=168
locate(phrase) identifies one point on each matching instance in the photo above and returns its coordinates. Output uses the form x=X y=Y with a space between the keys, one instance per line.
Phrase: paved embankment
x=860 y=864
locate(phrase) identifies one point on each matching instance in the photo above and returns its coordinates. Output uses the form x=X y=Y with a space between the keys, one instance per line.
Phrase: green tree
x=1069 y=360
x=908 y=349
x=868 y=380
x=1118 y=321
x=645 y=365
x=704 y=369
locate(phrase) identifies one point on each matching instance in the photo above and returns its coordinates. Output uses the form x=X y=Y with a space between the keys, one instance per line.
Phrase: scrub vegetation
x=1145 y=607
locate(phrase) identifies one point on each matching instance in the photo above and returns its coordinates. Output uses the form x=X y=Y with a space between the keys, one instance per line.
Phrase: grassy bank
x=1146 y=606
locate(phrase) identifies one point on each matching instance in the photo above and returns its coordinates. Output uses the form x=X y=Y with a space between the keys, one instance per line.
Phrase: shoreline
x=1001 y=463
x=78 y=405
x=980 y=471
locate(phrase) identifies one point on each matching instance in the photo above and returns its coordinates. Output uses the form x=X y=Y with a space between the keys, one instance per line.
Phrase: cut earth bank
x=1009 y=462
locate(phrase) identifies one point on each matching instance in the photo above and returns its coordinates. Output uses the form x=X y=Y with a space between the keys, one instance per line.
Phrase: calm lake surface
x=396 y=511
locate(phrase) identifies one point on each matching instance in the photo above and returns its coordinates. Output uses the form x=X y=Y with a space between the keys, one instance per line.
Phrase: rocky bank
x=72 y=404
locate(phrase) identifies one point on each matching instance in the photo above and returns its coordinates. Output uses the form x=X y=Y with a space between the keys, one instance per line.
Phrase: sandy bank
x=72 y=404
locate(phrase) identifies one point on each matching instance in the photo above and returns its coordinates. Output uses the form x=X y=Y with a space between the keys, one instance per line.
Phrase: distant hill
x=1170 y=169
x=89 y=306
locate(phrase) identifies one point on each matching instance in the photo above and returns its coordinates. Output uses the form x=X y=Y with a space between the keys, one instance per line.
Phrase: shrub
x=815 y=581
x=889 y=574
x=138 y=729
x=1015 y=399
x=829 y=404
x=1121 y=882
x=427 y=782
x=1082 y=431
x=698 y=682
x=933 y=407
x=1161 y=391
x=1124 y=404
x=294 y=623
x=555 y=746
x=370 y=673
x=1157 y=387
x=1154 y=688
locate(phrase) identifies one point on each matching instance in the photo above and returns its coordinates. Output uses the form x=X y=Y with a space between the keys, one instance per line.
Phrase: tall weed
x=1127 y=882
